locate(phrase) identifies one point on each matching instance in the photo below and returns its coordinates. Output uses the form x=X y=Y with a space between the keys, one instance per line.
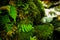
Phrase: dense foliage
x=25 y=20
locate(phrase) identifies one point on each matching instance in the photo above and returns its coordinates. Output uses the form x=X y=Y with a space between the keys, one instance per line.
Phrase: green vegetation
x=23 y=20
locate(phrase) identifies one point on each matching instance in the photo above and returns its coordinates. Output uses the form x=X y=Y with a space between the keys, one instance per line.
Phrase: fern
x=26 y=27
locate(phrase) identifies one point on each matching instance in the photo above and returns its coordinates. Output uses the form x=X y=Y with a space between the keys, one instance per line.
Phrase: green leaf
x=13 y=12
x=4 y=19
x=26 y=6
x=8 y=27
x=26 y=27
x=23 y=28
x=33 y=6
x=40 y=5
x=45 y=30
x=33 y=38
